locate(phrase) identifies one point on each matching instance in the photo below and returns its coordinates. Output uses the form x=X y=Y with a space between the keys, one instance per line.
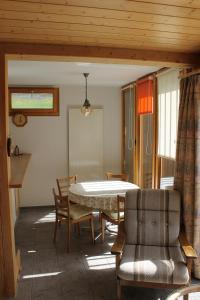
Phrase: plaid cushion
x=153 y=264
x=152 y=217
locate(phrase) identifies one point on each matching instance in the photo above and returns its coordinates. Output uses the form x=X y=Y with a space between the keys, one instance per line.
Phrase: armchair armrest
x=118 y=245
x=188 y=250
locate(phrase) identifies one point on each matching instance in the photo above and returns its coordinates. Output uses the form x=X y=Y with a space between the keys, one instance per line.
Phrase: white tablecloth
x=99 y=194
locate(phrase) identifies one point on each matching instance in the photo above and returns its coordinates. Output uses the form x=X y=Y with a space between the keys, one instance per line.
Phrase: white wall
x=46 y=138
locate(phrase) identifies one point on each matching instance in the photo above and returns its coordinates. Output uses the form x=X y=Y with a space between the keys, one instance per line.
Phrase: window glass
x=34 y=101
x=168 y=106
x=31 y=100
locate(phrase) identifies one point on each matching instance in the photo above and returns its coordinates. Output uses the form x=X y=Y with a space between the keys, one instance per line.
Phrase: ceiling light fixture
x=86 y=108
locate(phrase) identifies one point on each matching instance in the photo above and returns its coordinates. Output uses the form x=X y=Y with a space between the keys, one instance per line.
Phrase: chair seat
x=153 y=264
x=76 y=211
x=113 y=214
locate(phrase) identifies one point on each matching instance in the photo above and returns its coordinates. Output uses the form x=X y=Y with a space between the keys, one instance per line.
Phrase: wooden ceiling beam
x=99 y=54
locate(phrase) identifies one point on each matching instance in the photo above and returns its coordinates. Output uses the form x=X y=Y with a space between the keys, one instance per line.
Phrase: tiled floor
x=49 y=273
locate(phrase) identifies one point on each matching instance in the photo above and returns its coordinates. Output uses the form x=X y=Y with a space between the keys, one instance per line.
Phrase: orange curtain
x=145 y=96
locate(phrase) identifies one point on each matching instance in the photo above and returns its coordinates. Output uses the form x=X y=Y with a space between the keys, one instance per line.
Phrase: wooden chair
x=71 y=214
x=150 y=244
x=110 y=176
x=64 y=183
x=114 y=217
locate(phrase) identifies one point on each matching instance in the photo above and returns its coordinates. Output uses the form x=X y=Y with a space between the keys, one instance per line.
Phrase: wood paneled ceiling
x=162 y=25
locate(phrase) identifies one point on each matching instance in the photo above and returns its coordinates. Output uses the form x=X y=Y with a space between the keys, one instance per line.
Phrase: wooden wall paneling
x=107 y=9
x=184 y=3
x=133 y=29
x=8 y=254
x=93 y=38
x=153 y=41
x=181 y=3
x=133 y=24
x=100 y=25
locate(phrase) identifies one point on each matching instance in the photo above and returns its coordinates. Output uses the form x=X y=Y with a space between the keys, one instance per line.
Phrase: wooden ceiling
x=163 y=25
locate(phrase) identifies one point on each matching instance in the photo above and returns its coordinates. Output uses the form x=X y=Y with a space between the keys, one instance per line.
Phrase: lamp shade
x=145 y=96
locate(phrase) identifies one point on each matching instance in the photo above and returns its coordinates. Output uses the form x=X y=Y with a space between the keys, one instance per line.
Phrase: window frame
x=35 y=111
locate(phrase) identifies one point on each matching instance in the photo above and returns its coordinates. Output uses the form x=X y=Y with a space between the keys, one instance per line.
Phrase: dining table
x=101 y=195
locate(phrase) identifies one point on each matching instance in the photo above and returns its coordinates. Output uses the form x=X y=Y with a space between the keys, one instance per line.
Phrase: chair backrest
x=110 y=175
x=152 y=217
x=120 y=206
x=64 y=184
x=61 y=202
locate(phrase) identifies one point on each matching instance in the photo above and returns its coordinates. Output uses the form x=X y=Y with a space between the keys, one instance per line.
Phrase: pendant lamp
x=86 y=108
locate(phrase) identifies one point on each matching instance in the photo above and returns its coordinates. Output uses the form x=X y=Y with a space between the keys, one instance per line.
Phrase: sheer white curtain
x=168 y=107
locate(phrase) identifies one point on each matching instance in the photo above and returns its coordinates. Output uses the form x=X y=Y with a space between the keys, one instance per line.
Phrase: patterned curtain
x=187 y=177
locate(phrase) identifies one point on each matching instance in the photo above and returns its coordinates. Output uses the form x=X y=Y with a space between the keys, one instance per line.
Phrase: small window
x=34 y=101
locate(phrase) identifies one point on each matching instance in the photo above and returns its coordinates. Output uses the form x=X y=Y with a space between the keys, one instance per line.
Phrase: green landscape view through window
x=31 y=101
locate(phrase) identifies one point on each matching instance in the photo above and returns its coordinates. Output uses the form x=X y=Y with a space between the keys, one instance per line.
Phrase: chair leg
x=100 y=216
x=55 y=230
x=102 y=229
x=68 y=235
x=92 y=229
x=119 y=290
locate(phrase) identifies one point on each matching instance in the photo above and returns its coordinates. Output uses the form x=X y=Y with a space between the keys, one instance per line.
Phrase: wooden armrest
x=188 y=250
x=118 y=245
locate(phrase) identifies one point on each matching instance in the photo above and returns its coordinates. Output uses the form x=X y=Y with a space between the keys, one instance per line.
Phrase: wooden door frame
x=8 y=266
x=21 y=51
x=123 y=89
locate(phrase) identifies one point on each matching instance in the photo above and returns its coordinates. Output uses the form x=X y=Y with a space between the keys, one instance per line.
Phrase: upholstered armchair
x=151 y=250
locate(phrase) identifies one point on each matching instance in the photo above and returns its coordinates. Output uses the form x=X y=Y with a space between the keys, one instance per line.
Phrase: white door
x=86 y=144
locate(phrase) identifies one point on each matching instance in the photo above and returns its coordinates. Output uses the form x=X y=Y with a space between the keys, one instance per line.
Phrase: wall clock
x=19 y=119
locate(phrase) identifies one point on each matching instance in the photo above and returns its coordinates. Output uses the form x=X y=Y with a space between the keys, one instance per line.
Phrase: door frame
x=8 y=260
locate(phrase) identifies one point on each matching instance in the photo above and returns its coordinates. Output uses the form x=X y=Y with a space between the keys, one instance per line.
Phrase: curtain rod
x=194 y=72
x=165 y=71
x=130 y=85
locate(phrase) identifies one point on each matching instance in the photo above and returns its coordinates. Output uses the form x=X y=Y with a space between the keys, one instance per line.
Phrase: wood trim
x=1 y=262
x=150 y=284
x=35 y=112
x=188 y=73
x=9 y=258
x=141 y=136
x=137 y=140
x=118 y=245
x=155 y=132
x=117 y=55
x=123 y=130
x=123 y=90
x=187 y=248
